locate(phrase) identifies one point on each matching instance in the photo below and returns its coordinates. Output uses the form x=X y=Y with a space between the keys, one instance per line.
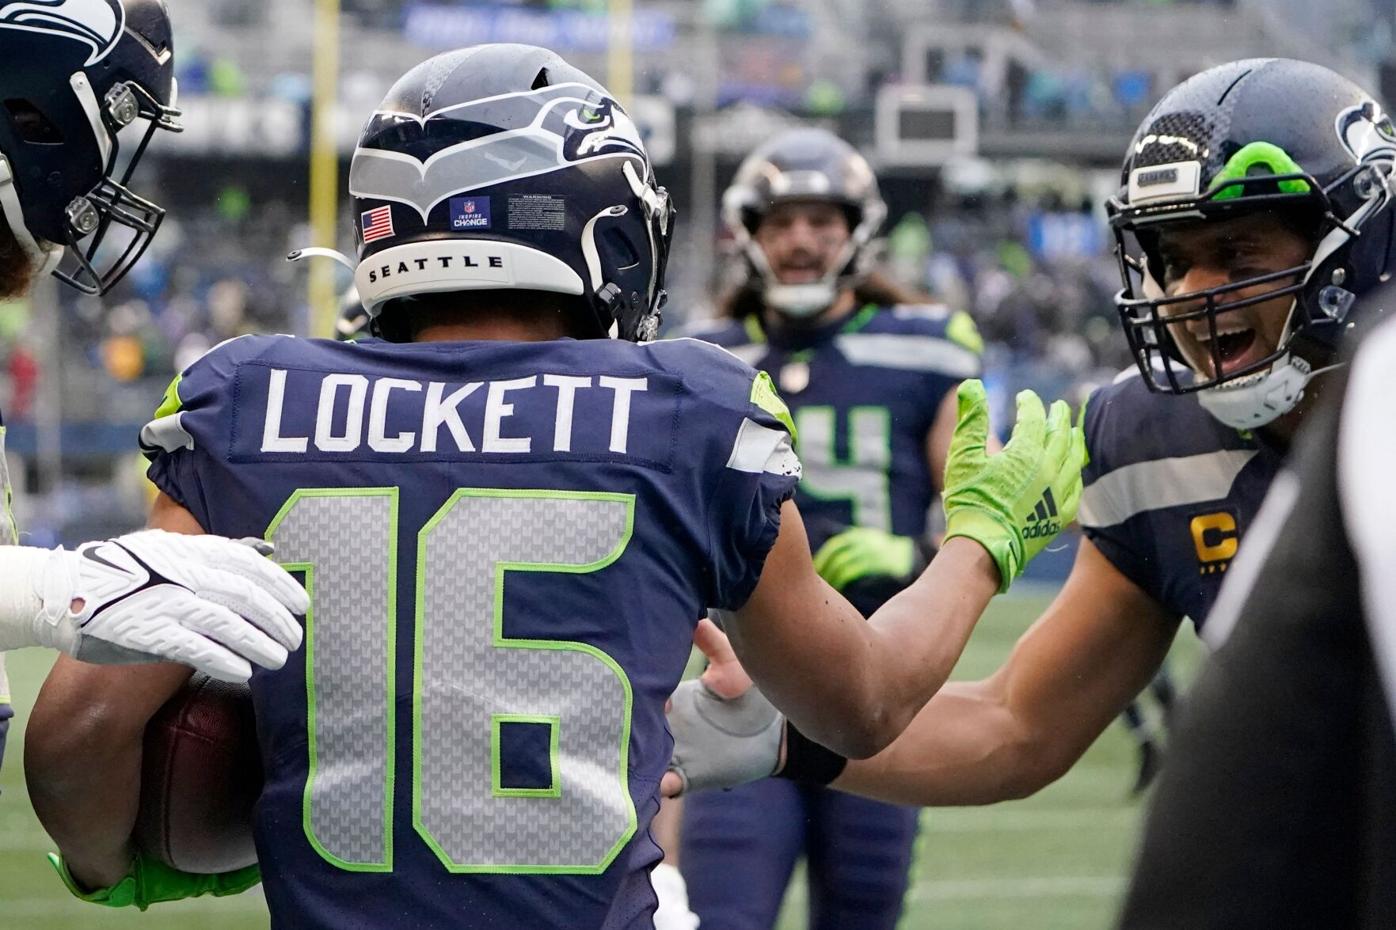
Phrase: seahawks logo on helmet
x=600 y=129
x=1366 y=131
x=95 y=23
x=487 y=142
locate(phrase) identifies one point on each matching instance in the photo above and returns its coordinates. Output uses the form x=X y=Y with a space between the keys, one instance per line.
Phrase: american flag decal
x=377 y=224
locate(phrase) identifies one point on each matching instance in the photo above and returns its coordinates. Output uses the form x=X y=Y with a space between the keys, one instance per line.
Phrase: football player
x=870 y=373
x=508 y=523
x=79 y=81
x=1287 y=736
x=76 y=76
x=1254 y=213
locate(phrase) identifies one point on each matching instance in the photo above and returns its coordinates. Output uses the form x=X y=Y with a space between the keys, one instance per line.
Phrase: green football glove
x=862 y=552
x=1015 y=502
x=152 y=882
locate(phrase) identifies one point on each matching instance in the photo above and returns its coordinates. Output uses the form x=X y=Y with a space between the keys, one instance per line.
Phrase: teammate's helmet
x=502 y=166
x=804 y=165
x=75 y=73
x=1260 y=134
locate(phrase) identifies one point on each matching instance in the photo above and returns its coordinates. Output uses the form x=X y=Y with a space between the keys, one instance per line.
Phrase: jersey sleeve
x=192 y=425
x=1105 y=518
x=758 y=471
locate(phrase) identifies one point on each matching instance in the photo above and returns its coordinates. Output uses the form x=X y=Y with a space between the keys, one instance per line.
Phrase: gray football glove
x=720 y=743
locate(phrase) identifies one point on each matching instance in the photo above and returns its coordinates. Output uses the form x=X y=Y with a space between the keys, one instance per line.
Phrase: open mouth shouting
x=1236 y=346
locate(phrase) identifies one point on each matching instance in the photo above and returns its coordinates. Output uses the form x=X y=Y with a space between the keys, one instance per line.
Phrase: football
x=201 y=775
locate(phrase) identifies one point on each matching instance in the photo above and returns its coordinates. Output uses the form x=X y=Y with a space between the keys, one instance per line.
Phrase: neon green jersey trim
x=754 y=332
x=171 y=403
x=765 y=396
x=860 y=319
x=962 y=331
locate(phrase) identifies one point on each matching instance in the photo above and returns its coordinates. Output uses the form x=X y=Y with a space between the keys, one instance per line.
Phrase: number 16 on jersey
x=481 y=700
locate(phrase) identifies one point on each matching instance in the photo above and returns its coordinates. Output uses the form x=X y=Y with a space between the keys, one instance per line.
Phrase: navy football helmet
x=801 y=165
x=76 y=73
x=1258 y=135
x=504 y=167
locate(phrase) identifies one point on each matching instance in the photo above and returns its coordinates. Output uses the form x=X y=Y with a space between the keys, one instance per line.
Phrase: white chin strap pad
x=800 y=300
x=1258 y=399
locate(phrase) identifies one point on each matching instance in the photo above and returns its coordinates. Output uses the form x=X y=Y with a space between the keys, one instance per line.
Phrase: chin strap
x=1261 y=398
x=800 y=300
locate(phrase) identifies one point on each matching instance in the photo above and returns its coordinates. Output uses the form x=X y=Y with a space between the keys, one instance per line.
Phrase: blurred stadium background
x=996 y=126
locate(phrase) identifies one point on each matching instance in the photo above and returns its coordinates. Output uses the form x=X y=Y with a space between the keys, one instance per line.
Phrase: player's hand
x=725 y=731
x=213 y=603
x=152 y=882
x=863 y=552
x=1012 y=503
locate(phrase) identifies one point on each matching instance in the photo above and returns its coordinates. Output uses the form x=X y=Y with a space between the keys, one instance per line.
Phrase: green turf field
x=1057 y=860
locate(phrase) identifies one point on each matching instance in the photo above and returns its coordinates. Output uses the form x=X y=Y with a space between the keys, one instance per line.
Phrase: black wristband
x=808 y=762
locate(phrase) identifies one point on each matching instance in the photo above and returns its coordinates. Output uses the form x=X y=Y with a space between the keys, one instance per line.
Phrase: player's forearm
x=884 y=671
x=920 y=634
x=82 y=763
x=965 y=747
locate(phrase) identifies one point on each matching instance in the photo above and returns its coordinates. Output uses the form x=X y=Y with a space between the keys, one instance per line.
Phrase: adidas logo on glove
x=1043 y=520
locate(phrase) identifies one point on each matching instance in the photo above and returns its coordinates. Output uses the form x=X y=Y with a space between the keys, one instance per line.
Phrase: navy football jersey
x=1169 y=491
x=864 y=393
x=507 y=547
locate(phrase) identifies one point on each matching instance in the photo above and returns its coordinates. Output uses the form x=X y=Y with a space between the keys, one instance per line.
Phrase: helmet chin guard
x=1260 y=398
x=800 y=301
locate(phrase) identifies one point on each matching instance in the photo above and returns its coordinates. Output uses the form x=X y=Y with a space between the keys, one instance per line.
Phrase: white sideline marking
x=1055 y=886
x=1007 y=820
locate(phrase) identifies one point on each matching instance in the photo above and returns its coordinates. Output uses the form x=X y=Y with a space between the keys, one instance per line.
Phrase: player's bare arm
x=1007 y=736
x=1010 y=735
x=854 y=682
x=83 y=752
x=857 y=685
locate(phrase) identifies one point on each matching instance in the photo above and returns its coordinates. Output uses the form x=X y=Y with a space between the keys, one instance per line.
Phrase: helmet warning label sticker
x=537 y=211
x=470 y=213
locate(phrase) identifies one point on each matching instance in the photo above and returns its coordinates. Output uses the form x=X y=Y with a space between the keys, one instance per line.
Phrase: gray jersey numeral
x=472 y=681
x=863 y=480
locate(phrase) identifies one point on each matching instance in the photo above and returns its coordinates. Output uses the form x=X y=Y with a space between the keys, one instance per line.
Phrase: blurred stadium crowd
x=1009 y=225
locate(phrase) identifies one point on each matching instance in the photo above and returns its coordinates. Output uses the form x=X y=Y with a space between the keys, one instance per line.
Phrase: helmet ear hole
x=622 y=250
x=32 y=125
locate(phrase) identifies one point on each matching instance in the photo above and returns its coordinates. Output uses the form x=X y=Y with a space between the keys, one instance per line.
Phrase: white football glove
x=212 y=603
x=671 y=890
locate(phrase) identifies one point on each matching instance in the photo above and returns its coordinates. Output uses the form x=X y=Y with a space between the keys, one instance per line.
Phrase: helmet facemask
x=109 y=228
x=1259 y=178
